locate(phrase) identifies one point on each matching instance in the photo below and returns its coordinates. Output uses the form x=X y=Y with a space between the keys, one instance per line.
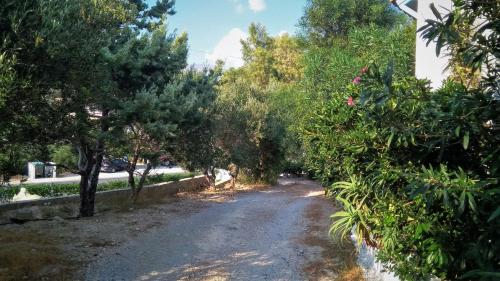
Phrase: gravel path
x=274 y=234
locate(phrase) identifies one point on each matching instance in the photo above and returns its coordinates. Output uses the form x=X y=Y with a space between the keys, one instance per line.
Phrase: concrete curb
x=67 y=206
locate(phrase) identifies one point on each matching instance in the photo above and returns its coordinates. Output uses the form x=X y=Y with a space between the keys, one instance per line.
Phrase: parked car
x=166 y=161
x=113 y=165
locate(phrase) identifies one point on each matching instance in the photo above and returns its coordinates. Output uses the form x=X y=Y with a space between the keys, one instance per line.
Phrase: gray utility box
x=41 y=170
x=49 y=170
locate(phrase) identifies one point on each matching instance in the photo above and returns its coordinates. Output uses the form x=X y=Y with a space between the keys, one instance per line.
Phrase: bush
x=64 y=155
x=417 y=171
x=152 y=179
x=14 y=159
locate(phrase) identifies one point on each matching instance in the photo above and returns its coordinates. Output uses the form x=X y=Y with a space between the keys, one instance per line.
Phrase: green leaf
x=461 y=208
x=390 y=139
x=388 y=74
x=465 y=141
x=436 y=12
x=472 y=202
x=457 y=131
x=446 y=199
x=494 y=215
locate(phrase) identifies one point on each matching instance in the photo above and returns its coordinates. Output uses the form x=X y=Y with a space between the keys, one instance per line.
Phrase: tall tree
x=324 y=20
x=195 y=145
x=92 y=148
x=87 y=93
x=143 y=67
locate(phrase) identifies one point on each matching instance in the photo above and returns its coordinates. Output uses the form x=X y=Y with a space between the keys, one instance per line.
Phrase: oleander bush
x=417 y=170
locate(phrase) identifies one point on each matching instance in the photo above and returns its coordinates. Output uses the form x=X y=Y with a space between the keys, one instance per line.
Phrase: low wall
x=67 y=206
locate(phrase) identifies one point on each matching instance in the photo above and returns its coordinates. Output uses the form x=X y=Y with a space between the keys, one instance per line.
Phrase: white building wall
x=427 y=64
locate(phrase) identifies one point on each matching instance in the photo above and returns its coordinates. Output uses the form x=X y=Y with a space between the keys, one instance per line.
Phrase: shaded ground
x=277 y=233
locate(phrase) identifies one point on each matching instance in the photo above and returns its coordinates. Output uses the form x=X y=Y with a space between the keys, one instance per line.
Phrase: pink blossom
x=350 y=101
x=356 y=80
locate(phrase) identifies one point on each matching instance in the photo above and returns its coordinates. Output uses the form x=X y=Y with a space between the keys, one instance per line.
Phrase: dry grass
x=222 y=194
x=351 y=274
x=31 y=256
x=338 y=258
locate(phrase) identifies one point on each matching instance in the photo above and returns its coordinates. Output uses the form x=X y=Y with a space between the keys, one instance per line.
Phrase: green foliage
x=253 y=121
x=169 y=177
x=416 y=170
x=14 y=159
x=250 y=134
x=64 y=156
x=195 y=145
x=325 y=20
x=421 y=174
x=327 y=119
x=88 y=73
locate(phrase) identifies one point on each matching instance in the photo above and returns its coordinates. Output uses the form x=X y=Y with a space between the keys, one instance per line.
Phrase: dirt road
x=280 y=233
x=276 y=233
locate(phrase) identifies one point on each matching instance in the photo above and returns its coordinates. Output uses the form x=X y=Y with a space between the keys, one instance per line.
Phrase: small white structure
x=427 y=64
x=24 y=195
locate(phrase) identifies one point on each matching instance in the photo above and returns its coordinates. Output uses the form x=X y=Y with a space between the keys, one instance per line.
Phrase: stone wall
x=67 y=206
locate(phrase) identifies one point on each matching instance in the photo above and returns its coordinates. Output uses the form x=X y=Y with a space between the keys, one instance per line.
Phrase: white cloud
x=229 y=49
x=283 y=32
x=257 y=5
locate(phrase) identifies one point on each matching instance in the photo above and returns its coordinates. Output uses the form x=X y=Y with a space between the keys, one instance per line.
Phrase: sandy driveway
x=274 y=234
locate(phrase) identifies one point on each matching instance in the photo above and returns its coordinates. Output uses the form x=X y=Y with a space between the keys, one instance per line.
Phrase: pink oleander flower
x=364 y=70
x=350 y=101
x=356 y=80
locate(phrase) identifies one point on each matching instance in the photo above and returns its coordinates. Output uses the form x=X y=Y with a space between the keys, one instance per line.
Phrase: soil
x=253 y=233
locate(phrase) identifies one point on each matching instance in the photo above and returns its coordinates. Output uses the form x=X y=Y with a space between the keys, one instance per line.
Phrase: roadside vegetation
x=55 y=189
x=416 y=169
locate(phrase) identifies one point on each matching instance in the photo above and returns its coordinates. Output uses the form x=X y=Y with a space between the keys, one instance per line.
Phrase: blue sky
x=215 y=27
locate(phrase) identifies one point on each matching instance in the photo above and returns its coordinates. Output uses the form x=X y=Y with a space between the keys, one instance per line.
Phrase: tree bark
x=132 y=165
x=210 y=177
x=85 y=164
x=89 y=173
x=234 y=175
x=142 y=181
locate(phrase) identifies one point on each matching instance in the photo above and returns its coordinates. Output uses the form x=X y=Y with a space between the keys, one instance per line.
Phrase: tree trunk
x=89 y=177
x=85 y=163
x=94 y=176
x=213 y=177
x=132 y=165
x=142 y=181
x=234 y=175
x=209 y=173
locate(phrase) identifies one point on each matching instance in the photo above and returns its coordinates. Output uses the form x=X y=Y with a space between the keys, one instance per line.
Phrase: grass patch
x=31 y=256
x=56 y=190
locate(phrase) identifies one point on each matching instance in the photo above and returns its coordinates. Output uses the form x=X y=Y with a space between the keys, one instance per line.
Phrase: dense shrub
x=418 y=174
x=418 y=170
x=324 y=118
x=65 y=156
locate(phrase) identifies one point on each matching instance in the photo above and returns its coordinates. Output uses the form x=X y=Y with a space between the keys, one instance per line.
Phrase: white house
x=427 y=64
